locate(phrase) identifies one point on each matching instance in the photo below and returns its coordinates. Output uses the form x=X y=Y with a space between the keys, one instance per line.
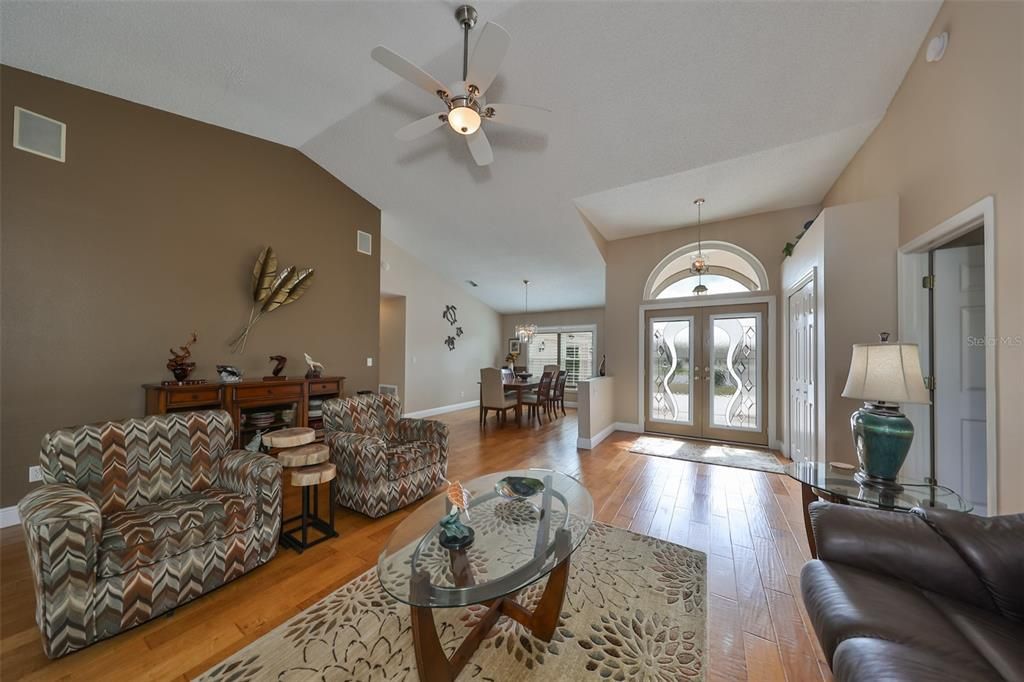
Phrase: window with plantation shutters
x=543 y=350
x=571 y=350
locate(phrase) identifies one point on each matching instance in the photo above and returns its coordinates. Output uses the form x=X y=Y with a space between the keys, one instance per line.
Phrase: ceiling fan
x=466 y=109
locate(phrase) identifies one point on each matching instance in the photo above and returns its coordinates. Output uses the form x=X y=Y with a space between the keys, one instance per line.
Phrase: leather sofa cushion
x=408 y=458
x=151 y=533
x=847 y=604
x=865 y=658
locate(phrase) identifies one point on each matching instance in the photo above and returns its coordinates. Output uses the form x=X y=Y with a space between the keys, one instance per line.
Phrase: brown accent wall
x=953 y=134
x=146 y=233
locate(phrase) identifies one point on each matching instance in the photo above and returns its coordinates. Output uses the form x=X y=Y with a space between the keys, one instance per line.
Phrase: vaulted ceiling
x=755 y=106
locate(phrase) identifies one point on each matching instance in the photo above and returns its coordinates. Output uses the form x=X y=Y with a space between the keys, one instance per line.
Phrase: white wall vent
x=38 y=134
x=364 y=242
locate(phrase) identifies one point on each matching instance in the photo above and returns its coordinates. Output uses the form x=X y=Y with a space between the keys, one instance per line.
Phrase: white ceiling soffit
x=639 y=91
x=797 y=174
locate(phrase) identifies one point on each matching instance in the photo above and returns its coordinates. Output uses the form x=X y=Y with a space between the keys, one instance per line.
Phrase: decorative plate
x=518 y=487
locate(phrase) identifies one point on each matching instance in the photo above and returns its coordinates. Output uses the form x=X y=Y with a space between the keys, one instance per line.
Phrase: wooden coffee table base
x=431 y=661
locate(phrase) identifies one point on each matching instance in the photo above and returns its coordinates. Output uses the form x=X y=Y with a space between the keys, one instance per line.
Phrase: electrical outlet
x=462 y=394
x=369 y=362
x=35 y=474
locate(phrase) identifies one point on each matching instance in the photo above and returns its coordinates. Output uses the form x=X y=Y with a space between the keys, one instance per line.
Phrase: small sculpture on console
x=229 y=374
x=316 y=370
x=179 y=364
x=454 y=534
x=279 y=362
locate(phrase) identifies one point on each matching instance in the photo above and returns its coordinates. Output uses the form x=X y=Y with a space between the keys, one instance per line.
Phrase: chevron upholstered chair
x=384 y=462
x=139 y=516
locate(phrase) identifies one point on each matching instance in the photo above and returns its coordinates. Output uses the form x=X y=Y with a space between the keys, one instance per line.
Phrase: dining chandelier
x=526 y=330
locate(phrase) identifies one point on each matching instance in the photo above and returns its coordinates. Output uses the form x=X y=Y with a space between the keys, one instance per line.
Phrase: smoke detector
x=937 y=47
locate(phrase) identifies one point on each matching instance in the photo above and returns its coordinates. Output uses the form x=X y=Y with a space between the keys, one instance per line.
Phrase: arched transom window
x=731 y=270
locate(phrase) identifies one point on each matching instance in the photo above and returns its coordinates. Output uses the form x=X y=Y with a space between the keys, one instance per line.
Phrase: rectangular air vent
x=364 y=242
x=38 y=134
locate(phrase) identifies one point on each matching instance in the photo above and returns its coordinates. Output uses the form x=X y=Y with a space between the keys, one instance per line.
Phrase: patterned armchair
x=139 y=516
x=384 y=462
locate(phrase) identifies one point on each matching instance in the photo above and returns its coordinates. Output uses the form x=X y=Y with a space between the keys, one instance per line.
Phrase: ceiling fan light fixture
x=464 y=120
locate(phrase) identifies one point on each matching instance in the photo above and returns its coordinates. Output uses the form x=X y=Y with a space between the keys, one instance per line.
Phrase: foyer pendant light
x=699 y=264
x=525 y=331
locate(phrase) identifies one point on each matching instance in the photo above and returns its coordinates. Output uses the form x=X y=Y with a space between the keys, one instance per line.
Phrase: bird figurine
x=316 y=370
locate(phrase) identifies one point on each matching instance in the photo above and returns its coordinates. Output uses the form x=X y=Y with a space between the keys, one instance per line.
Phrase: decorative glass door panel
x=671 y=400
x=672 y=358
x=705 y=373
x=735 y=377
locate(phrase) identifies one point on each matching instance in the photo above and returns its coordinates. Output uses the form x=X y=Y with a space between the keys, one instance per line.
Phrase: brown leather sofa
x=930 y=595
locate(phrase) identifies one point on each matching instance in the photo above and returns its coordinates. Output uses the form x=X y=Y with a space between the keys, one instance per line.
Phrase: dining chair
x=492 y=396
x=541 y=399
x=558 y=399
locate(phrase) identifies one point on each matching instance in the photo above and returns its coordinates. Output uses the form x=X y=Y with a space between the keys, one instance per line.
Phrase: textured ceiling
x=756 y=106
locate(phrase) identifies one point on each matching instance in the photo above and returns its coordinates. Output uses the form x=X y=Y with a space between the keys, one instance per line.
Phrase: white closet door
x=959 y=344
x=802 y=370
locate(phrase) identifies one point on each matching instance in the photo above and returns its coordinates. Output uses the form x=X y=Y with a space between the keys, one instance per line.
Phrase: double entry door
x=706 y=371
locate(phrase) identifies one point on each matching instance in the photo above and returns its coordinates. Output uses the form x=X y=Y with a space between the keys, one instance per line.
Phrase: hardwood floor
x=748 y=522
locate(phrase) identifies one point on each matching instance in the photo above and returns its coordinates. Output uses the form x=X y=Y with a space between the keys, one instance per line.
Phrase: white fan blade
x=480 y=148
x=490 y=49
x=421 y=127
x=407 y=70
x=520 y=115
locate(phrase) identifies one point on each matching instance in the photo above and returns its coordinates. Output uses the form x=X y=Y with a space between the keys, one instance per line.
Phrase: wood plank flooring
x=748 y=522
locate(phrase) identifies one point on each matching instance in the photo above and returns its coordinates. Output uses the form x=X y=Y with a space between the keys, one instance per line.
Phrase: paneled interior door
x=706 y=373
x=803 y=343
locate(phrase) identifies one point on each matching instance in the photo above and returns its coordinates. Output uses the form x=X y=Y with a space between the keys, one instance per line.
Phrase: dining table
x=518 y=386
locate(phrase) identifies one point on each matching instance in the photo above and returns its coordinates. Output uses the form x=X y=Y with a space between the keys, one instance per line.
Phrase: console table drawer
x=264 y=392
x=317 y=387
x=194 y=396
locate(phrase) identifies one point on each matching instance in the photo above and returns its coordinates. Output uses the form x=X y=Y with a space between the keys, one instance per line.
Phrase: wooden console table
x=244 y=398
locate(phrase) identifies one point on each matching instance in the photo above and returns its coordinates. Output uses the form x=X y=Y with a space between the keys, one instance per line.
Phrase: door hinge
x=928 y=282
x=929 y=383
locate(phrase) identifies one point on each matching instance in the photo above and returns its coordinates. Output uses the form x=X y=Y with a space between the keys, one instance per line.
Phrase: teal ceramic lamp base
x=882 y=436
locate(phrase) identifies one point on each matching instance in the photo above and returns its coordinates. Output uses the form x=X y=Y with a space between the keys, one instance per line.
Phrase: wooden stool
x=307 y=477
x=308 y=462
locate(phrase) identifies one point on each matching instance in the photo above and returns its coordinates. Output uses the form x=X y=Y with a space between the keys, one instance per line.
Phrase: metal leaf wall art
x=271 y=289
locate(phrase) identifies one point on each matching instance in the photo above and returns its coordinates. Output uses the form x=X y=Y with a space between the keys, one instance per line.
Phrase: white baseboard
x=780 y=446
x=9 y=517
x=441 y=410
x=591 y=443
x=629 y=427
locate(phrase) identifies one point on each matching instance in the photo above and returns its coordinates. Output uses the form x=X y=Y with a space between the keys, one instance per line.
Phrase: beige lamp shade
x=889 y=372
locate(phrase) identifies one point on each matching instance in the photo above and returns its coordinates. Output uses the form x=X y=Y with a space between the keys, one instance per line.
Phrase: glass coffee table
x=516 y=542
x=836 y=483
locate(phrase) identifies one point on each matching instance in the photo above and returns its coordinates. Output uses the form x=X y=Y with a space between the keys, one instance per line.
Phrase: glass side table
x=836 y=484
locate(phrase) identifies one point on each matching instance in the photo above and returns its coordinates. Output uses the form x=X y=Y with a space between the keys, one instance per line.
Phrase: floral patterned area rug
x=635 y=609
x=709 y=453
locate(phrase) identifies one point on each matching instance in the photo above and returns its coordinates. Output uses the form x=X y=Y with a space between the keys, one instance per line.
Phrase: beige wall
x=392 y=342
x=953 y=134
x=146 y=233
x=554 y=318
x=630 y=262
x=434 y=376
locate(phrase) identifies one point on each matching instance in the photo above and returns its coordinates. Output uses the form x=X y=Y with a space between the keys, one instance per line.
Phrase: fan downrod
x=466 y=16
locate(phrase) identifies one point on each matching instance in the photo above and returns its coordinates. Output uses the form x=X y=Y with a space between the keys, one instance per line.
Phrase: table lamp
x=883 y=375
